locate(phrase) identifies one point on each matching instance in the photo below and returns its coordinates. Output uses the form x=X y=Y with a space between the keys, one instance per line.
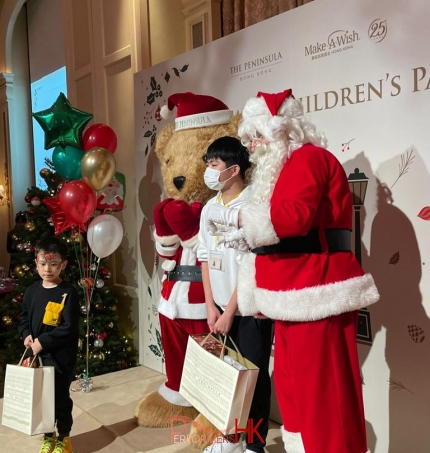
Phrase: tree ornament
x=30 y=226
x=76 y=237
x=98 y=343
x=105 y=273
x=113 y=307
x=98 y=355
x=100 y=283
x=27 y=198
x=83 y=309
x=62 y=123
x=93 y=267
x=19 y=247
x=98 y=306
x=35 y=201
x=44 y=173
x=7 y=320
x=19 y=298
x=50 y=221
x=103 y=336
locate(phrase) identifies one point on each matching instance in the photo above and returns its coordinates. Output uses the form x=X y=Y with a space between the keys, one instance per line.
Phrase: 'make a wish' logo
x=337 y=41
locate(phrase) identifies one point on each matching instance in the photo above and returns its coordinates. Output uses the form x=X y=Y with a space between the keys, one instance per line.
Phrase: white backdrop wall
x=362 y=69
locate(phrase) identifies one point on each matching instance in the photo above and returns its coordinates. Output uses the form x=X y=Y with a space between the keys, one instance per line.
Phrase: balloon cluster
x=85 y=159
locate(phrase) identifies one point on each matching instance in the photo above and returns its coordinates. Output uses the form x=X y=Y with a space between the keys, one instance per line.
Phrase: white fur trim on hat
x=257 y=225
x=317 y=302
x=203 y=119
x=173 y=397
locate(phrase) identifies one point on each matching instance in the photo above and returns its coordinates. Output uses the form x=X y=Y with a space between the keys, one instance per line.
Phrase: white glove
x=232 y=237
x=218 y=214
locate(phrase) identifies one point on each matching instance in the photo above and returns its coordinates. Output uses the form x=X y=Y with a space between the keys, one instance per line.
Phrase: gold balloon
x=98 y=167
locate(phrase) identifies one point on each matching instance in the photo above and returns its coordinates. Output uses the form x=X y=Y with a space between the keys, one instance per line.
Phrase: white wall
x=370 y=95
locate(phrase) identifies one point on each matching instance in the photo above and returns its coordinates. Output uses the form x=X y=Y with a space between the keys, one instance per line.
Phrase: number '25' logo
x=378 y=30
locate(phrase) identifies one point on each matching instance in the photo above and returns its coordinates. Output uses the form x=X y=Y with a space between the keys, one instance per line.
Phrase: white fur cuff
x=166 y=240
x=246 y=286
x=318 y=302
x=257 y=225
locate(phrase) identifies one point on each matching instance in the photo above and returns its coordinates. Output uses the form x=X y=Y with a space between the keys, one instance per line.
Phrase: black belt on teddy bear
x=338 y=240
x=184 y=273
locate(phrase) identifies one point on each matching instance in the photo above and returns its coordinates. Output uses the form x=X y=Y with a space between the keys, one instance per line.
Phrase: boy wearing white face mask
x=227 y=161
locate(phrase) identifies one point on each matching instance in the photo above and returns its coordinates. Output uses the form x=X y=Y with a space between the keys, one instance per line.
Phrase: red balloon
x=78 y=201
x=99 y=135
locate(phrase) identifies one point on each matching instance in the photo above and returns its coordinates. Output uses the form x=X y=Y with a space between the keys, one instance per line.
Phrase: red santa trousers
x=174 y=334
x=318 y=385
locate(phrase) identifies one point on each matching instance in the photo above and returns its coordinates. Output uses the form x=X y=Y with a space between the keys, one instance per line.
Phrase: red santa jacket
x=176 y=236
x=311 y=193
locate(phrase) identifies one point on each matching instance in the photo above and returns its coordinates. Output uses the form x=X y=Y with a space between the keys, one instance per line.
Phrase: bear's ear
x=162 y=138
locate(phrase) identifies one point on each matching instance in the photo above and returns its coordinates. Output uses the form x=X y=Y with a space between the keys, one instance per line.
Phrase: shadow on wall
x=395 y=262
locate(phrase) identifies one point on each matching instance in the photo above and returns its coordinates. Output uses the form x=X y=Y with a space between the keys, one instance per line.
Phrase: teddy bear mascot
x=300 y=271
x=180 y=148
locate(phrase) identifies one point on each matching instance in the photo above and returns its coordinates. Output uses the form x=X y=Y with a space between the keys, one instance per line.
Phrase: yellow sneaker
x=48 y=444
x=63 y=446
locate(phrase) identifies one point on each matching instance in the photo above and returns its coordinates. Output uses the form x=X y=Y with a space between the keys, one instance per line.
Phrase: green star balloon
x=62 y=123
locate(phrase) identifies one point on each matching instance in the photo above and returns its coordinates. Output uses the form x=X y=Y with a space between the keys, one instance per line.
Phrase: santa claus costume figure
x=301 y=273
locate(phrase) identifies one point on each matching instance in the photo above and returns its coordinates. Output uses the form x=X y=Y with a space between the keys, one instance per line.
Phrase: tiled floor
x=103 y=420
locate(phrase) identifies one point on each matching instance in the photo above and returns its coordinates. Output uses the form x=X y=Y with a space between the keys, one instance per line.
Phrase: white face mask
x=212 y=176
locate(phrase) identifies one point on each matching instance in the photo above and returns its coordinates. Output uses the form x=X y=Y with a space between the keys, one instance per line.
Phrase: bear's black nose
x=179 y=182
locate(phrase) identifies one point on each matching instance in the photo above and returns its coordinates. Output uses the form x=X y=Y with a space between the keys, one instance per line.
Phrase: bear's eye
x=167 y=161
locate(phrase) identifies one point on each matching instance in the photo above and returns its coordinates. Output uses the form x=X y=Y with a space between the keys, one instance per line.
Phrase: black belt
x=338 y=240
x=185 y=274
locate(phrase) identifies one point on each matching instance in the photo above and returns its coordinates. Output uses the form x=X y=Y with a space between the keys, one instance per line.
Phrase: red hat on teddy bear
x=196 y=110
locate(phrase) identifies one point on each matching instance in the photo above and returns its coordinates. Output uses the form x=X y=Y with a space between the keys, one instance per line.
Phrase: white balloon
x=104 y=235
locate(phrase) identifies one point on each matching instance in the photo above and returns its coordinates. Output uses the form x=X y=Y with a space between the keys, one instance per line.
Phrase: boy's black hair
x=52 y=244
x=231 y=151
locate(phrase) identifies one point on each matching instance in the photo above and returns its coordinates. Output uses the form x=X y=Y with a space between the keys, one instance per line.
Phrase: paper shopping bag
x=28 y=402
x=217 y=389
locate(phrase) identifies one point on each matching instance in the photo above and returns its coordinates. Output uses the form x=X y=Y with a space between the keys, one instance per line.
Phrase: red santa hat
x=275 y=100
x=196 y=110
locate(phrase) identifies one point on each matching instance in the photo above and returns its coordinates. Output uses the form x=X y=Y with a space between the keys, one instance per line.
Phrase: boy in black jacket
x=54 y=340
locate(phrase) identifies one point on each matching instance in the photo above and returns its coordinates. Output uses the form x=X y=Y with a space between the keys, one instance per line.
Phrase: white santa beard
x=268 y=160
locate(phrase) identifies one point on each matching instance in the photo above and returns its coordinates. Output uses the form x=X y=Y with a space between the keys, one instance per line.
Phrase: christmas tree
x=102 y=349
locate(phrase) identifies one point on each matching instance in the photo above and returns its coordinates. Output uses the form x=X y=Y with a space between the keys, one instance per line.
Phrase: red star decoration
x=60 y=222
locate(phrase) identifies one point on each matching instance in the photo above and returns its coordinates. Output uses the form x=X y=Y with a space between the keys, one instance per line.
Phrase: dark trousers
x=63 y=402
x=253 y=337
